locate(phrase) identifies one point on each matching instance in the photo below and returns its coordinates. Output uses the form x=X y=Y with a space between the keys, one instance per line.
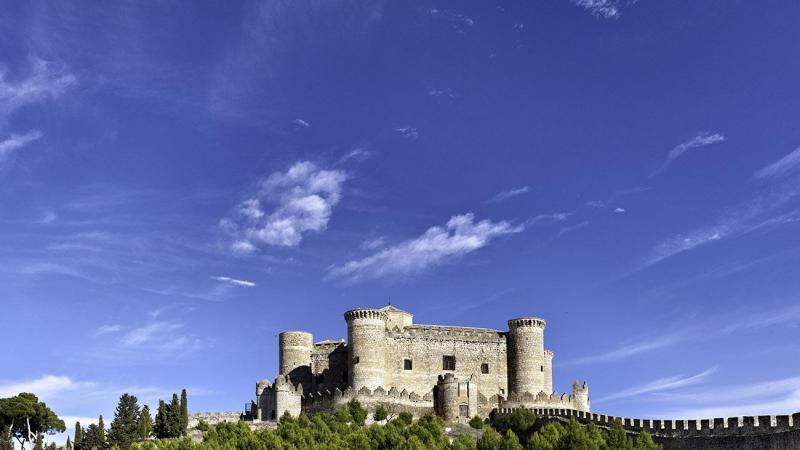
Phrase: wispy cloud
x=234 y=281
x=149 y=332
x=409 y=133
x=548 y=218
x=301 y=123
x=46 y=386
x=17 y=141
x=607 y=9
x=660 y=385
x=107 y=329
x=761 y=212
x=46 y=80
x=437 y=246
x=572 y=228
x=701 y=139
x=782 y=167
x=628 y=350
x=507 y=194
x=287 y=206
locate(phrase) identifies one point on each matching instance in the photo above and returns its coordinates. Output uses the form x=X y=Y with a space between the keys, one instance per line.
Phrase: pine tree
x=95 y=436
x=184 y=412
x=174 y=417
x=125 y=427
x=617 y=438
x=160 y=428
x=145 y=423
x=78 y=436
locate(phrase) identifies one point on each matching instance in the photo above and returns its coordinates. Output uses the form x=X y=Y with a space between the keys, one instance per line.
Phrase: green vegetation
x=476 y=422
x=24 y=418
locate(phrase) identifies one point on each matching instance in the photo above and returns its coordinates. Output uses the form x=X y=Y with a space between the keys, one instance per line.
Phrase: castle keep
x=456 y=372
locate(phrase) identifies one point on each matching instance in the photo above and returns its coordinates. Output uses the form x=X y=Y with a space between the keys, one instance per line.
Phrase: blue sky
x=178 y=184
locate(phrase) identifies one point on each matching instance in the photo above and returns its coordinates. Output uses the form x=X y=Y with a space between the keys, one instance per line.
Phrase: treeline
x=345 y=430
x=132 y=424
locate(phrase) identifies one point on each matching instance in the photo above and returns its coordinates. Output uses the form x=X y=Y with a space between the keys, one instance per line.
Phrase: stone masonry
x=456 y=372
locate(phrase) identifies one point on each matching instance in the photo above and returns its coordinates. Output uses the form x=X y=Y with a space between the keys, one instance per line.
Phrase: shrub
x=380 y=414
x=476 y=422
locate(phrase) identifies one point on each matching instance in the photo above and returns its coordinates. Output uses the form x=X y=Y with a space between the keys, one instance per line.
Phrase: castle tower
x=548 y=372
x=294 y=350
x=366 y=336
x=580 y=396
x=447 y=397
x=287 y=397
x=526 y=359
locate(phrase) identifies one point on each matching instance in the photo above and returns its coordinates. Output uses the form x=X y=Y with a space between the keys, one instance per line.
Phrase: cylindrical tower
x=294 y=350
x=548 y=372
x=447 y=397
x=526 y=360
x=366 y=344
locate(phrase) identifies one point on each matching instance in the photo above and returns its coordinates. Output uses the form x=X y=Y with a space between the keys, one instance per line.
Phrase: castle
x=455 y=372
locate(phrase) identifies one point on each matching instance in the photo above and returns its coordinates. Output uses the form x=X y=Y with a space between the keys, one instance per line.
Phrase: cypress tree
x=125 y=427
x=184 y=412
x=78 y=436
x=101 y=427
x=145 y=423
x=68 y=445
x=174 y=417
x=160 y=429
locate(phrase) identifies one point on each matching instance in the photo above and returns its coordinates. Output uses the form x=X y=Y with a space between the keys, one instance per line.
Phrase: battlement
x=680 y=428
x=365 y=313
x=527 y=322
x=542 y=399
x=465 y=334
x=548 y=354
x=398 y=399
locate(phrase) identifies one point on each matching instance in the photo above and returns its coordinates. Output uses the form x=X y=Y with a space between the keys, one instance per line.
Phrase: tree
x=145 y=423
x=645 y=442
x=184 y=412
x=160 y=429
x=95 y=436
x=125 y=427
x=476 y=422
x=78 y=436
x=617 y=438
x=24 y=417
x=68 y=445
x=174 y=417
x=380 y=413
x=490 y=440
x=510 y=442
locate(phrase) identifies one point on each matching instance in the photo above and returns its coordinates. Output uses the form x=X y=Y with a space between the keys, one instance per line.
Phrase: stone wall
x=731 y=433
x=329 y=365
x=426 y=345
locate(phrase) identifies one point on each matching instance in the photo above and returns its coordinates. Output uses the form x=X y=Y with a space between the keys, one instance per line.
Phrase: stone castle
x=455 y=372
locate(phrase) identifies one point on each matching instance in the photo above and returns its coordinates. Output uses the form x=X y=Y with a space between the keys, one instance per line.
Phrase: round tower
x=294 y=350
x=548 y=372
x=526 y=359
x=580 y=396
x=447 y=396
x=366 y=344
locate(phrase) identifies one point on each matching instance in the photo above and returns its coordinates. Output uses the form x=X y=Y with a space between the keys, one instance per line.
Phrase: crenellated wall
x=734 y=433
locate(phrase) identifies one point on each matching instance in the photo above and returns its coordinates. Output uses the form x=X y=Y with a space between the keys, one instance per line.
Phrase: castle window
x=463 y=410
x=448 y=363
x=407 y=364
x=541 y=368
x=355 y=360
x=484 y=368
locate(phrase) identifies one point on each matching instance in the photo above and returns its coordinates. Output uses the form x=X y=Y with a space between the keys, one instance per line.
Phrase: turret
x=294 y=350
x=548 y=372
x=447 y=393
x=287 y=397
x=580 y=396
x=526 y=359
x=366 y=336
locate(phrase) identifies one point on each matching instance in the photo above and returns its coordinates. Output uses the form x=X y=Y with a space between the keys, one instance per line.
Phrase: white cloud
x=44 y=387
x=149 y=333
x=628 y=350
x=659 y=385
x=619 y=210
x=608 y=9
x=505 y=195
x=17 y=141
x=572 y=228
x=234 y=281
x=408 y=132
x=287 y=206
x=374 y=244
x=784 y=166
x=45 y=81
x=437 y=246
x=698 y=140
x=301 y=123
x=548 y=218
x=107 y=329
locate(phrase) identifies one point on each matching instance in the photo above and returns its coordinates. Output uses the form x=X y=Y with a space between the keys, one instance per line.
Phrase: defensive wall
x=731 y=433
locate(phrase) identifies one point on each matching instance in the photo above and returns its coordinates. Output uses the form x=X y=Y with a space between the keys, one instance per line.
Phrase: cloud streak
x=780 y=168
x=17 y=141
x=607 y=9
x=235 y=281
x=45 y=81
x=287 y=206
x=437 y=246
x=659 y=385
x=505 y=195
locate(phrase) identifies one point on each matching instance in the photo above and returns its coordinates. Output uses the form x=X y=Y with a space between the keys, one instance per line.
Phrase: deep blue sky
x=178 y=184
